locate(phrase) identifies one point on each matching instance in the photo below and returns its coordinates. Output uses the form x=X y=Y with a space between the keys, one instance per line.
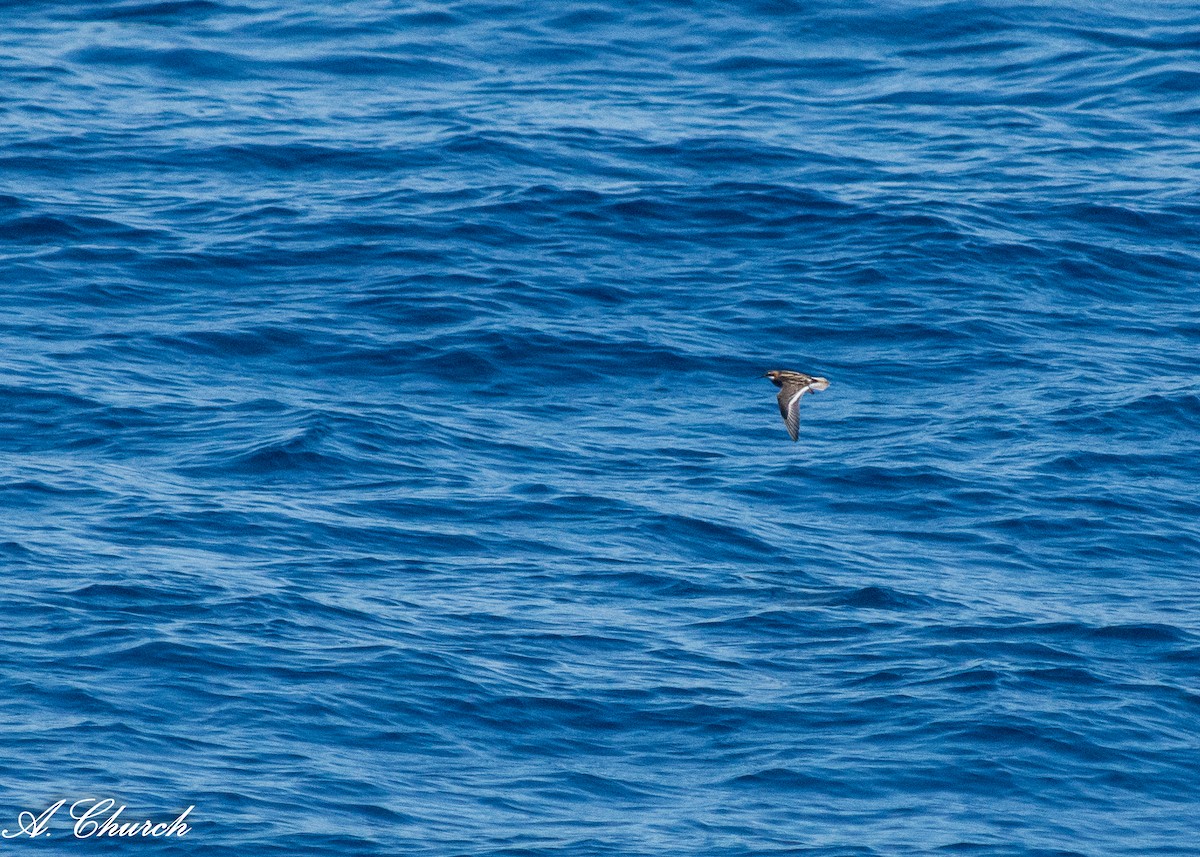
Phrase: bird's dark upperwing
x=789 y=406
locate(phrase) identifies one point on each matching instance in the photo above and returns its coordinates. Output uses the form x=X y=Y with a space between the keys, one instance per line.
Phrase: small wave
x=53 y=229
x=168 y=11
x=301 y=452
x=785 y=779
x=186 y=63
x=756 y=66
x=374 y=65
x=1149 y=633
x=252 y=342
x=1069 y=676
x=285 y=157
x=1187 y=39
x=1151 y=414
x=880 y=598
x=711 y=538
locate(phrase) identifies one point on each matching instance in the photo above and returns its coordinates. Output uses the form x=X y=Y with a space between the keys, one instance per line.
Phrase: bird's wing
x=782 y=397
x=791 y=414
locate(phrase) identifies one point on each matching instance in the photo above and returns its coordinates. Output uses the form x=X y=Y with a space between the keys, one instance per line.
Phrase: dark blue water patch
x=1058 y=676
x=1068 y=645
x=94 y=257
x=952 y=22
x=728 y=209
x=249 y=534
x=483 y=357
x=770 y=624
x=274 y=340
x=1004 y=850
x=984 y=47
x=787 y=779
x=164 y=13
x=116 y=598
x=1152 y=634
x=1144 y=416
x=700 y=154
x=1168 y=413
x=33 y=403
x=710 y=538
x=880 y=598
x=1173 y=83
x=974 y=680
x=83 y=426
x=400 y=67
x=15 y=551
x=185 y=660
x=53 y=229
x=1124 y=220
x=267 y=214
x=495 y=150
x=280 y=158
x=291 y=445
x=46 y=496
x=181 y=63
x=897 y=482
x=296 y=453
x=580 y=19
x=833 y=69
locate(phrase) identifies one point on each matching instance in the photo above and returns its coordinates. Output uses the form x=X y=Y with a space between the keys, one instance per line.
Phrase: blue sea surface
x=386 y=466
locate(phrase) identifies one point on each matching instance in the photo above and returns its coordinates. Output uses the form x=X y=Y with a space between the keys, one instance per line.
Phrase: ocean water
x=386 y=466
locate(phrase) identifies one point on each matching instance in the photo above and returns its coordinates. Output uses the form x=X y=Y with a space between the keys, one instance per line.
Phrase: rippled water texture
x=387 y=467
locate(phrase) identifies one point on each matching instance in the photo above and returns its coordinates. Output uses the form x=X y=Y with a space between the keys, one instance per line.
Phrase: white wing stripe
x=793 y=412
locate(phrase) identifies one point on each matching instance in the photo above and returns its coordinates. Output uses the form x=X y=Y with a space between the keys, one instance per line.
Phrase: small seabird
x=793 y=385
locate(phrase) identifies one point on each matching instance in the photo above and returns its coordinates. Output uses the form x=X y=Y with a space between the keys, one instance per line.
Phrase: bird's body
x=793 y=385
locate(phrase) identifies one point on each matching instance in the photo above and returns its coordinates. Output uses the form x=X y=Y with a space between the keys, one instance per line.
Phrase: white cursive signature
x=96 y=817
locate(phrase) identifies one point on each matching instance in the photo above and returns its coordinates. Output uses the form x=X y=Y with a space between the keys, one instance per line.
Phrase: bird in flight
x=793 y=385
